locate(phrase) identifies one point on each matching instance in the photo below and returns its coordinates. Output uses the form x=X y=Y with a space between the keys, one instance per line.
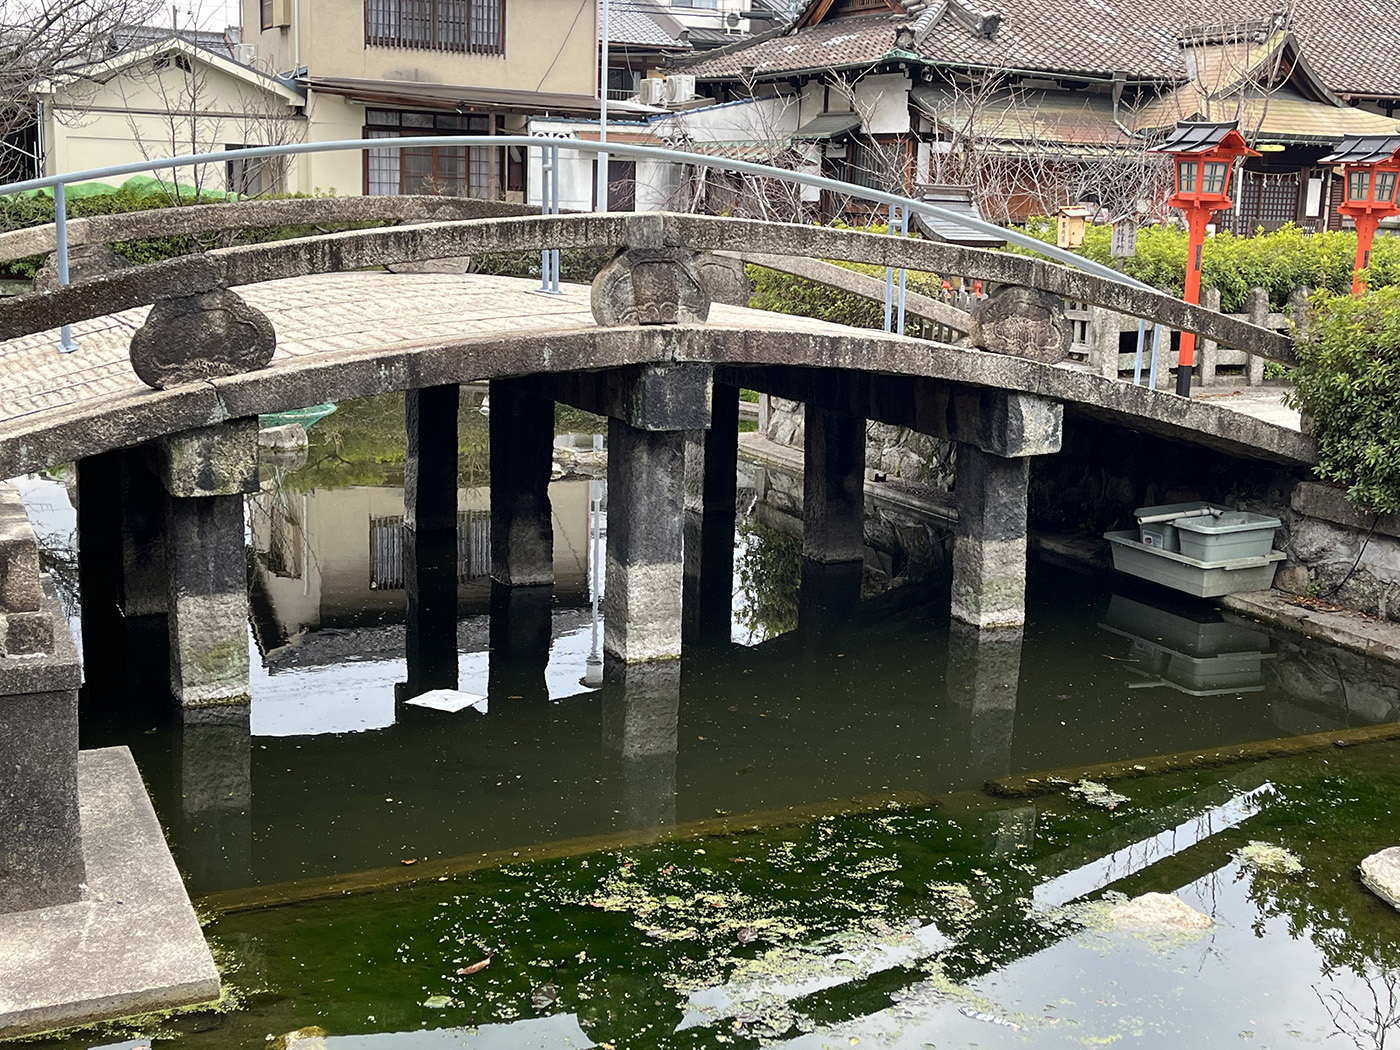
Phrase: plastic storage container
x=1236 y=534
x=1204 y=579
x=1162 y=533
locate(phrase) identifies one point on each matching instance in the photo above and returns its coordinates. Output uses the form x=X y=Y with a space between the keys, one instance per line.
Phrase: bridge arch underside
x=869 y=375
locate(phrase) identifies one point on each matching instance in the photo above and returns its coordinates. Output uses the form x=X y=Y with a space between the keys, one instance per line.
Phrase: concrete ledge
x=1378 y=639
x=132 y=946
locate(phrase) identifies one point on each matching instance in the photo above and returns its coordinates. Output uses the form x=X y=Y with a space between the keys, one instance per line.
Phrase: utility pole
x=602 y=190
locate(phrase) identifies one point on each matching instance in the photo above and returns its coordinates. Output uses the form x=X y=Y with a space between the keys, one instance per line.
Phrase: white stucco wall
x=883 y=103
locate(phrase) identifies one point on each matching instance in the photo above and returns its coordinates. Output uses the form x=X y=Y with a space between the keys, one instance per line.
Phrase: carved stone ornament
x=205 y=335
x=644 y=286
x=1022 y=322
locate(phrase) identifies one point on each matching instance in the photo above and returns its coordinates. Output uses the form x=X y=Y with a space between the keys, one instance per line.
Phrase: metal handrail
x=549 y=147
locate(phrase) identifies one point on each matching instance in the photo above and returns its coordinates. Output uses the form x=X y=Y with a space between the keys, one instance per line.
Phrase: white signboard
x=1124 y=238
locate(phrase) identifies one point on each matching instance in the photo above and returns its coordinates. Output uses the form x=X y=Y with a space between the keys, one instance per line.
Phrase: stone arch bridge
x=159 y=405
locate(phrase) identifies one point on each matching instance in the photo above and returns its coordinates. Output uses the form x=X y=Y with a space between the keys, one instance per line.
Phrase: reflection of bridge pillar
x=430 y=587
x=216 y=797
x=430 y=463
x=711 y=467
x=640 y=727
x=521 y=620
x=833 y=517
x=206 y=473
x=996 y=433
x=522 y=444
x=983 y=674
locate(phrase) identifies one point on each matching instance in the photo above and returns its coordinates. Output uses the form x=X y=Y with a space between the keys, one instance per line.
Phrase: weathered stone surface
x=646 y=505
x=723 y=279
x=41 y=856
x=221 y=460
x=1007 y=424
x=132 y=945
x=430 y=460
x=27 y=633
x=455 y=264
x=833 y=495
x=1380 y=873
x=1159 y=911
x=283 y=438
x=649 y=286
x=1022 y=322
x=989 y=544
x=208 y=600
x=19 y=555
x=202 y=335
x=85 y=261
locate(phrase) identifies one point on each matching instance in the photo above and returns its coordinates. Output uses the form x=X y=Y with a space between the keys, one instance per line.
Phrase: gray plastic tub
x=1163 y=533
x=1236 y=534
x=1191 y=575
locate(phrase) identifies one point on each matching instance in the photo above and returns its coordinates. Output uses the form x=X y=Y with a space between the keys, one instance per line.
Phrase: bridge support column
x=833 y=517
x=997 y=432
x=521 y=627
x=652 y=407
x=100 y=566
x=711 y=468
x=430 y=465
x=522 y=524
x=206 y=474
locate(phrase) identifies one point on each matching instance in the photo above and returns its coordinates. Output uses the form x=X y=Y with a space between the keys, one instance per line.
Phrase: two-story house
x=392 y=68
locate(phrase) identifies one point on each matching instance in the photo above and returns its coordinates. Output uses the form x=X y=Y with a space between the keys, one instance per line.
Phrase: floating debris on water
x=1096 y=794
x=1265 y=856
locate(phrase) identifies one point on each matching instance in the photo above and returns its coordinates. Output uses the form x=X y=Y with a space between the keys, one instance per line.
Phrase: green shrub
x=783 y=293
x=1278 y=262
x=1347 y=375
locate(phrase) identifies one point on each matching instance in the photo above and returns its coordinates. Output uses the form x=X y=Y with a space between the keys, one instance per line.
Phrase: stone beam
x=220 y=460
x=645 y=397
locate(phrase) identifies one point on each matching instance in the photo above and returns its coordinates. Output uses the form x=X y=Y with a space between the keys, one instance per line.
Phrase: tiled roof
x=1361 y=150
x=648 y=25
x=129 y=38
x=1354 y=50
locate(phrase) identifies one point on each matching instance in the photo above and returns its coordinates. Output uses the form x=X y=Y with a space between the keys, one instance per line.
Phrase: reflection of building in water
x=1190 y=648
x=334 y=557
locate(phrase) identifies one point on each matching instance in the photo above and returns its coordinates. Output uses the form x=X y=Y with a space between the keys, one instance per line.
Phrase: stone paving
x=328 y=313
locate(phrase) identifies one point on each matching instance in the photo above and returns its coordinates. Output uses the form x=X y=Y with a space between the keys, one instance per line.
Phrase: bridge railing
x=1077 y=277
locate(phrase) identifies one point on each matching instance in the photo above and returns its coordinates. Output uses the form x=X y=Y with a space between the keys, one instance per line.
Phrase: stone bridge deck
x=350 y=317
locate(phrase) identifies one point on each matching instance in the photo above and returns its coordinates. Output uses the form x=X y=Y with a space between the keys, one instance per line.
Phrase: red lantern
x=1371 y=171
x=1204 y=154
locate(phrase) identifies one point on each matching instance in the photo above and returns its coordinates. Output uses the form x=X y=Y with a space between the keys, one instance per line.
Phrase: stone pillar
x=522 y=528
x=1103 y=341
x=711 y=466
x=521 y=630
x=642 y=602
x=833 y=487
x=41 y=852
x=1209 y=355
x=996 y=432
x=430 y=466
x=216 y=798
x=206 y=473
x=430 y=586
x=641 y=708
x=983 y=675
x=1256 y=308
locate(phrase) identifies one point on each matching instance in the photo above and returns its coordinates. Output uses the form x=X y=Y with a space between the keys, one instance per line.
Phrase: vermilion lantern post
x=1371 y=170
x=1204 y=154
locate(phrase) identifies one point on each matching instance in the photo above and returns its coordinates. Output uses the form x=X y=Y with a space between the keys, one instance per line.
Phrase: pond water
x=786 y=842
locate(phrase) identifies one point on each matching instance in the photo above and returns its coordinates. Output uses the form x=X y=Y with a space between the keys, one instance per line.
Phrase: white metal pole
x=603 y=105
x=60 y=239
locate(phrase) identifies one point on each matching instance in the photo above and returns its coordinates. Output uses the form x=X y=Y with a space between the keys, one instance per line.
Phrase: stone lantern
x=1371 y=170
x=1204 y=154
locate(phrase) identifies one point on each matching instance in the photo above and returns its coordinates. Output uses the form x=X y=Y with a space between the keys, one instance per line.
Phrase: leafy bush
x=1278 y=262
x=1347 y=375
x=783 y=293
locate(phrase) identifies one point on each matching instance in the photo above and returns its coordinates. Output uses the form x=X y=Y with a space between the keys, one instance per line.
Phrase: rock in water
x=1380 y=872
x=1159 y=911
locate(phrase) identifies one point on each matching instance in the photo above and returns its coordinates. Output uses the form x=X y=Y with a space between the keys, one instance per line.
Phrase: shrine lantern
x=1371 y=169
x=1204 y=154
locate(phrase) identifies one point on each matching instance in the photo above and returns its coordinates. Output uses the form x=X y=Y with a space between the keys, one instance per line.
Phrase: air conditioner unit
x=653 y=91
x=246 y=54
x=680 y=88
